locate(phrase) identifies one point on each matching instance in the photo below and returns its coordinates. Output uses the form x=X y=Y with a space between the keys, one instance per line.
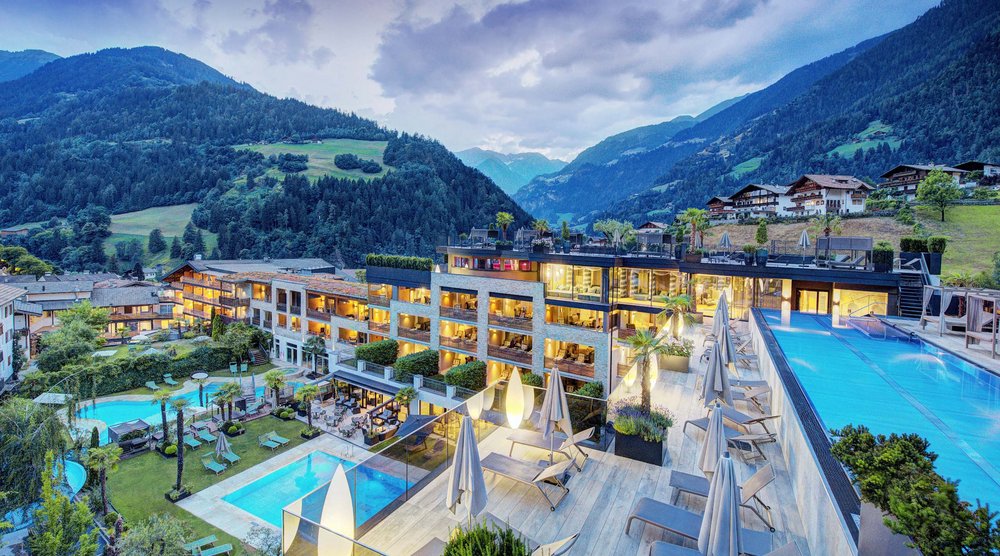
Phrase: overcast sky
x=549 y=75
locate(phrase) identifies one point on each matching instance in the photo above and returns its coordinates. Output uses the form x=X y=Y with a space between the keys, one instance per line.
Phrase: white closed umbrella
x=715 y=442
x=466 y=475
x=724 y=242
x=804 y=244
x=721 y=533
x=221 y=445
x=554 y=414
x=720 y=321
x=716 y=384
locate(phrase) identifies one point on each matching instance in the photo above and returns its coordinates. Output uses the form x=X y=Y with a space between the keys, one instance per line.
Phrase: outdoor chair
x=212 y=465
x=686 y=483
x=152 y=385
x=223 y=549
x=688 y=524
x=265 y=442
x=198 y=544
x=230 y=457
x=205 y=436
x=663 y=548
x=169 y=380
x=528 y=474
x=742 y=420
x=562 y=443
x=755 y=396
x=273 y=435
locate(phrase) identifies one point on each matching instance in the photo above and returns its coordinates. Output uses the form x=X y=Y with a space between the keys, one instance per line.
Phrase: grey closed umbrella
x=728 y=354
x=721 y=533
x=554 y=413
x=725 y=242
x=804 y=244
x=716 y=384
x=720 y=321
x=221 y=445
x=465 y=478
x=715 y=442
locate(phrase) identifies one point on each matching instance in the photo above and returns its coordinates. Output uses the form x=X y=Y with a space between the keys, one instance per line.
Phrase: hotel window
x=573 y=282
x=572 y=316
x=415 y=295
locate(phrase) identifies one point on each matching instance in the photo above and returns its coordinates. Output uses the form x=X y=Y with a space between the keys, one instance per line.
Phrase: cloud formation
x=548 y=75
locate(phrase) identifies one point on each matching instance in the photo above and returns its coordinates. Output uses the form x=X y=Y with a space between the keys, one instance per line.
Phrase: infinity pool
x=268 y=495
x=115 y=412
x=903 y=387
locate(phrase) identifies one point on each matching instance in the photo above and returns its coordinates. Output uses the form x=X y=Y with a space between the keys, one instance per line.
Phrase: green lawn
x=136 y=489
x=321 y=156
x=847 y=150
x=171 y=220
x=746 y=167
x=973 y=236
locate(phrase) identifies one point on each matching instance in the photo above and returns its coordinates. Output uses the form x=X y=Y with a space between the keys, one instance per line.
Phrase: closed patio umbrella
x=716 y=383
x=728 y=353
x=724 y=242
x=720 y=321
x=715 y=442
x=804 y=244
x=221 y=445
x=466 y=474
x=721 y=533
x=554 y=414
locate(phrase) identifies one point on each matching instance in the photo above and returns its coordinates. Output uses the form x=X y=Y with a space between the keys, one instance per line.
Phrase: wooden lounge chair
x=169 y=380
x=191 y=442
x=529 y=474
x=273 y=435
x=230 y=457
x=661 y=548
x=152 y=385
x=198 y=544
x=562 y=443
x=688 y=524
x=222 y=549
x=264 y=441
x=212 y=465
x=695 y=485
x=205 y=436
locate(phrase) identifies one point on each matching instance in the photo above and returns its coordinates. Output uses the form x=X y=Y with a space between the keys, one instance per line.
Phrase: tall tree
x=30 y=431
x=176 y=250
x=162 y=398
x=306 y=394
x=275 y=381
x=504 y=220
x=160 y=534
x=103 y=460
x=61 y=527
x=645 y=347
x=156 y=242
x=939 y=191
x=179 y=404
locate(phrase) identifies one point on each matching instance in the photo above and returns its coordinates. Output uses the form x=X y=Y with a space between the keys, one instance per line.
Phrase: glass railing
x=308 y=538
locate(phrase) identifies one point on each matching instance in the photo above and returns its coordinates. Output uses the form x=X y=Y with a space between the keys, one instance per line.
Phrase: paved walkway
x=955 y=343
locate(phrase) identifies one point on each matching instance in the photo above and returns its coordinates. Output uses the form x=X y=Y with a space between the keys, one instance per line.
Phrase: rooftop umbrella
x=804 y=244
x=725 y=242
x=721 y=319
x=721 y=534
x=221 y=445
x=715 y=442
x=466 y=474
x=554 y=413
x=716 y=384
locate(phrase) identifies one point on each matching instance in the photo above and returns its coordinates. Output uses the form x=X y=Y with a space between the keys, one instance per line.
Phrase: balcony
x=295 y=309
x=379 y=300
x=510 y=354
x=317 y=314
x=262 y=298
x=520 y=323
x=418 y=335
x=627 y=332
x=214 y=284
x=282 y=306
x=197 y=313
x=144 y=315
x=200 y=298
x=459 y=343
x=571 y=366
x=382 y=327
x=234 y=301
x=459 y=313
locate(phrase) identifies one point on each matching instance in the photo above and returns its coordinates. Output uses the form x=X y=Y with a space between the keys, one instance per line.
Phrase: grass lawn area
x=170 y=220
x=321 y=156
x=136 y=489
x=746 y=166
x=973 y=236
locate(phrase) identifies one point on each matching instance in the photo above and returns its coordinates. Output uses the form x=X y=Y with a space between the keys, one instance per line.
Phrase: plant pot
x=933 y=263
x=761 y=258
x=310 y=436
x=692 y=257
x=881 y=266
x=567 y=247
x=499 y=247
x=675 y=363
x=183 y=495
x=634 y=447
x=370 y=440
x=748 y=259
x=539 y=248
x=907 y=256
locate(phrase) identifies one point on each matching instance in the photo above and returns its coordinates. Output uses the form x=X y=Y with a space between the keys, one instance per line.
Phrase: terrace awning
x=365 y=382
x=121 y=429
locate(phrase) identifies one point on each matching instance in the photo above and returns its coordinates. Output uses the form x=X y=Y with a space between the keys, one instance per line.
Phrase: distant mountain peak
x=18 y=64
x=509 y=171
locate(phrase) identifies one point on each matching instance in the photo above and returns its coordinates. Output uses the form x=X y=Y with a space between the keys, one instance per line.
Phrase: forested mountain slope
x=21 y=63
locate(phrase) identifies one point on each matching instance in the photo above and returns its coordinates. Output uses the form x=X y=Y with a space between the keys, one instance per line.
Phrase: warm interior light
x=290 y=525
x=654 y=371
x=475 y=405
x=337 y=516
x=514 y=401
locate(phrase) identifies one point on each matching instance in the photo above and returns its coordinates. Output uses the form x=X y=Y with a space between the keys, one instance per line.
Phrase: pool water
x=75 y=476
x=902 y=387
x=268 y=495
x=119 y=411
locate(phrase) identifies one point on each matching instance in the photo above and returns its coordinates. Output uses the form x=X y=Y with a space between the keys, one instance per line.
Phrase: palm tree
x=314 y=345
x=275 y=380
x=201 y=390
x=227 y=394
x=504 y=220
x=697 y=219
x=541 y=226
x=305 y=395
x=179 y=404
x=162 y=397
x=826 y=224
x=645 y=346
x=103 y=460
x=676 y=310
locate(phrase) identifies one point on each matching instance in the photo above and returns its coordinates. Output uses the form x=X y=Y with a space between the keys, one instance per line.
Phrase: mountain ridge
x=14 y=65
x=509 y=171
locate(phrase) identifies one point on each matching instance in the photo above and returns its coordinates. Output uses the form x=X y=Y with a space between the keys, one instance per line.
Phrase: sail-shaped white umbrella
x=554 y=414
x=466 y=475
x=715 y=442
x=721 y=533
x=804 y=244
x=716 y=383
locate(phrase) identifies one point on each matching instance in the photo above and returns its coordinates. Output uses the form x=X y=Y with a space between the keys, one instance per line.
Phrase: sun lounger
x=196 y=545
x=562 y=443
x=434 y=547
x=748 y=383
x=169 y=380
x=205 y=436
x=738 y=418
x=231 y=457
x=223 y=549
x=755 y=395
x=191 y=442
x=264 y=441
x=686 y=483
x=273 y=435
x=556 y=548
x=152 y=385
x=687 y=524
x=661 y=548
x=529 y=474
x=212 y=465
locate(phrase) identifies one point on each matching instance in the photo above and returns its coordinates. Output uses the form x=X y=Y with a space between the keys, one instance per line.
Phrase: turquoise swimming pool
x=904 y=387
x=119 y=411
x=267 y=496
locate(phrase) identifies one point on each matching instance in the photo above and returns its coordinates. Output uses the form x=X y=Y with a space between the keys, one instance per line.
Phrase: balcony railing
x=459 y=343
x=140 y=316
x=282 y=306
x=295 y=309
x=626 y=332
x=214 y=284
x=380 y=300
x=318 y=314
x=197 y=313
x=234 y=301
x=201 y=298
x=571 y=366
x=510 y=354
x=419 y=335
x=382 y=327
x=459 y=313
x=519 y=323
x=262 y=298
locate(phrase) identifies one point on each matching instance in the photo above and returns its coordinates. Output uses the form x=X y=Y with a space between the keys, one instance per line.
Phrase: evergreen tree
x=190 y=231
x=61 y=527
x=156 y=242
x=198 y=243
x=175 y=248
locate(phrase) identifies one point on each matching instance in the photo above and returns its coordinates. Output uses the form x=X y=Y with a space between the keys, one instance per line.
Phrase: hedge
x=471 y=375
x=591 y=390
x=937 y=244
x=382 y=352
x=913 y=244
x=399 y=261
x=531 y=379
x=423 y=363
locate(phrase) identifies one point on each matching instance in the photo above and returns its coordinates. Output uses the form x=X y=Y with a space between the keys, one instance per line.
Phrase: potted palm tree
x=677 y=313
x=641 y=430
x=761 y=238
x=305 y=395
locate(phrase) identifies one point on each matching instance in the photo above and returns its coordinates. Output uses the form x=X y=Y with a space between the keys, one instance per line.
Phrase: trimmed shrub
x=483 y=538
x=882 y=254
x=423 y=363
x=382 y=352
x=531 y=379
x=110 y=519
x=591 y=390
x=471 y=375
x=937 y=244
x=913 y=244
x=170 y=450
x=232 y=430
x=399 y=261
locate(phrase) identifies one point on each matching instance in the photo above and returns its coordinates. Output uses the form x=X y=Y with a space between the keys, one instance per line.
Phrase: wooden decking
x=600 y=498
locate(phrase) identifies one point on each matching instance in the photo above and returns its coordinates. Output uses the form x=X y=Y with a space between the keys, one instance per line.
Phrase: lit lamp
x=786 y=302
x=337 y=517
x=475 y=405
x=514 y=401
x=488 y=396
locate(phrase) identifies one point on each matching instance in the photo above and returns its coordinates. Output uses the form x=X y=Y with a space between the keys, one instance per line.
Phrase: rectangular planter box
x=676 y=363
x=634 y=447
